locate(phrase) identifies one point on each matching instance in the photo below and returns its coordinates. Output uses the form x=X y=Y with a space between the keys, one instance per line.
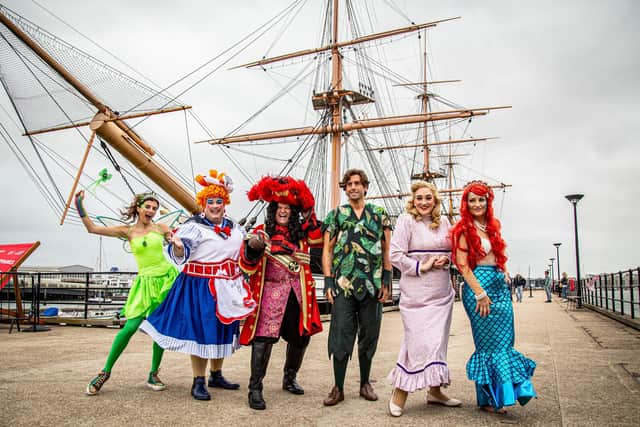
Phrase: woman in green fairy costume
x=155 y=277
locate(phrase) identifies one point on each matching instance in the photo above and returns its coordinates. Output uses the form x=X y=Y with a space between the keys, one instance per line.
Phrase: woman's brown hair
x=130 y=214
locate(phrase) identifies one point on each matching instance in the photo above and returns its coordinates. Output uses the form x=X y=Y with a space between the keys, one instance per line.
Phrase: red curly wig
x=282 y=189
x=465 y=227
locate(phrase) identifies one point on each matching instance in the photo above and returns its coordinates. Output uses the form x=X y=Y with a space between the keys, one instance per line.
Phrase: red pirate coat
x=310 y=323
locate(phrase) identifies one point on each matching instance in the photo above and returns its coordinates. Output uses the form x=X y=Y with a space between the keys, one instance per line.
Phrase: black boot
x=291 y=367
x=260 y=354
x=198 y=390
x=217 y=380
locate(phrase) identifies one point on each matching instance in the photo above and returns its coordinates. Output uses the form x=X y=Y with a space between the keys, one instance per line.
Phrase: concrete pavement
x=587 y=374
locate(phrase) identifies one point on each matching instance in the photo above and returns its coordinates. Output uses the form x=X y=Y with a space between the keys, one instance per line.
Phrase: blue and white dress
x=200 y=315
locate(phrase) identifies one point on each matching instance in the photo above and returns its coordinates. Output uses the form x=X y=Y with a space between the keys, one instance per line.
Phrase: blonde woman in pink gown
x=421 y=250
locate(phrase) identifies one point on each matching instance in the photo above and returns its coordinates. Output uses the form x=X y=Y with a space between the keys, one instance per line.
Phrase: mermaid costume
x=502 y=374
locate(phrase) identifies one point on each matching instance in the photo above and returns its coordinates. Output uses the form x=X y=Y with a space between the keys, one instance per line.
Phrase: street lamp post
x=530 y=287
x=557 y=245
x=574 y=199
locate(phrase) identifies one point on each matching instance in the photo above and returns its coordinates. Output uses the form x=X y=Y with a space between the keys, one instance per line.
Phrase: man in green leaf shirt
x=357 y=270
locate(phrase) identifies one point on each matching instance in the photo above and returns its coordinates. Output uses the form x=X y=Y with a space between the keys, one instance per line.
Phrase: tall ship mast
x=337 y=104
x=351 y=96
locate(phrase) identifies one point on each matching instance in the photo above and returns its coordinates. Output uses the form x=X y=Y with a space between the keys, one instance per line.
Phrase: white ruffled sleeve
x=191 y=235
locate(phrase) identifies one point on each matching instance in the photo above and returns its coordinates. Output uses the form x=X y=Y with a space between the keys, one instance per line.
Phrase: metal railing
x=618 y=292
x=81 y=295
x=19 y=310
x=88 y=295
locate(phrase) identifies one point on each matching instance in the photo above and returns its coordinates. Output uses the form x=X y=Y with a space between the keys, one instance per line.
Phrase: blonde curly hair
x=435 y=213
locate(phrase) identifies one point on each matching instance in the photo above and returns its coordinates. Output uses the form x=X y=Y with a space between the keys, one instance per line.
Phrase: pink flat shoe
x=450 y=402
x=394 y=410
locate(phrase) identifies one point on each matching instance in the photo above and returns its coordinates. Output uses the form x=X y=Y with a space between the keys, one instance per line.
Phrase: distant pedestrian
x=547 y=285
x=512 y=289
x=502 y=375
x=564 y=284
x=518 y=283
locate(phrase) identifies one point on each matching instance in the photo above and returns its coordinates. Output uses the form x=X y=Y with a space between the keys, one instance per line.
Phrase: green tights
x=121 y=341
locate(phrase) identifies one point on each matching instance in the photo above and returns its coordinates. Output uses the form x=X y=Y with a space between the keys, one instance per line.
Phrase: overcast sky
x=570 y=69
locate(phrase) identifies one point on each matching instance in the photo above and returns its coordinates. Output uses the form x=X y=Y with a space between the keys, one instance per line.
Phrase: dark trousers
x=351 y=317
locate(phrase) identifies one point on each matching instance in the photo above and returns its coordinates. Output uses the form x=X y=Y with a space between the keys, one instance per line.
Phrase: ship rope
x=299 y=78
x=97 y=45
x=285 y=27
x=188 y=145
x=260 y=31
x=292 y=162
x=66 y=167
x=324 y=40
x=62 y=164
x=31 y=140
x=224 y=149
x=175 y=170
x=391 y=204
x=29 y=79
x=26 y=165
x=124 y=91
x=369 y=82
x=399 y=11
x=115 y=164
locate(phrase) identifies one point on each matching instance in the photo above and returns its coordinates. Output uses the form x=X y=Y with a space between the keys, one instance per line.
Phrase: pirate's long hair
x=295 y=222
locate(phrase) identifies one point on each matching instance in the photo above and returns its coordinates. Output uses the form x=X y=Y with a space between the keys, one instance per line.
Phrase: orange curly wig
x=216 y=185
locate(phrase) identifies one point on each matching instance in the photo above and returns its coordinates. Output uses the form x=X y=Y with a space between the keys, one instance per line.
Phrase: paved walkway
x=587 y=374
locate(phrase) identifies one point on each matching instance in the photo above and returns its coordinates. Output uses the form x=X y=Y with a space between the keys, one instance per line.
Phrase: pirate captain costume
x=276 y=258
x=201 y=314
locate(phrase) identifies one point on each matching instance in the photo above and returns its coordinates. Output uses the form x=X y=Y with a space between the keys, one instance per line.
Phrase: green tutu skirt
x=147 y=292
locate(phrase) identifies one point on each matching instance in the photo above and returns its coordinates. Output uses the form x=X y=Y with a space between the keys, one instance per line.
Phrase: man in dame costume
x=276 y=257
x=201 y=314
x=357 y=270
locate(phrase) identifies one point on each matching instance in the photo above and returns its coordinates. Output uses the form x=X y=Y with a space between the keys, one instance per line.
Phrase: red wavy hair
x=465 y=227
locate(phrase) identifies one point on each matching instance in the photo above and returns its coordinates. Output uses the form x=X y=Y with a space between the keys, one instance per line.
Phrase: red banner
x=11 y=256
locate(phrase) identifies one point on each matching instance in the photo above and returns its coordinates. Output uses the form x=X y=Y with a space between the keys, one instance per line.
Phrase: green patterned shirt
x=357 y=254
